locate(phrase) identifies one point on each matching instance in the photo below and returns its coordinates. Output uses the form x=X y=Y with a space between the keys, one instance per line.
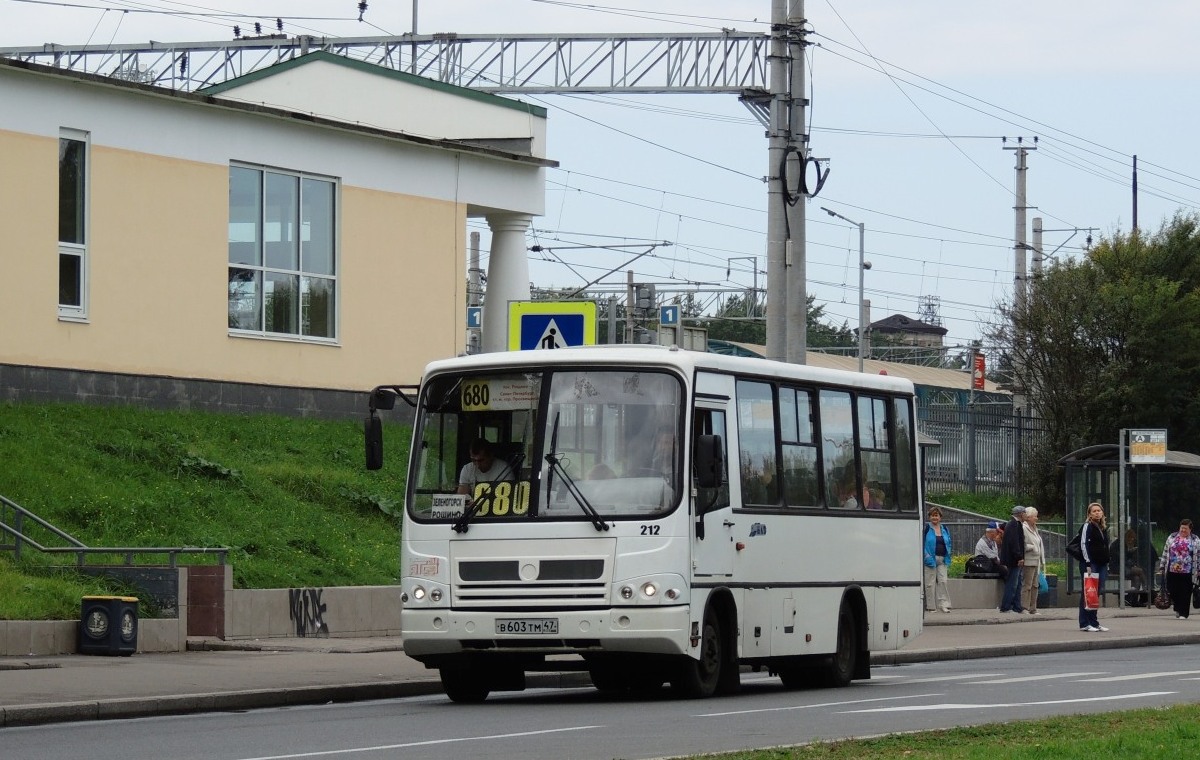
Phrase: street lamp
x=863 y=266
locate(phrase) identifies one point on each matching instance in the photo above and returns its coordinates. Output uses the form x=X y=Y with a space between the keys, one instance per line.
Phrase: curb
x=144 y=707
x=903 y=657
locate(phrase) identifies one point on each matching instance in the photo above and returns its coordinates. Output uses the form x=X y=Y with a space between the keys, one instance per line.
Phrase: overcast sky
x=910 y=101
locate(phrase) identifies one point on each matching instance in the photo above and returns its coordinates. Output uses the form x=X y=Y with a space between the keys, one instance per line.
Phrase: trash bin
x=108 y=625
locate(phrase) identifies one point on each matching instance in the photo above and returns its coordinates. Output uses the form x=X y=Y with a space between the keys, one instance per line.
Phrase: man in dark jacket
x=1012 y=556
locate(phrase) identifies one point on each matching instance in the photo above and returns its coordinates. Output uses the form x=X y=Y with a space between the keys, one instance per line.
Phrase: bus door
x=713 y=537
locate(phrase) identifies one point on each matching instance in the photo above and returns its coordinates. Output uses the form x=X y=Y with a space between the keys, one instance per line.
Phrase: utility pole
x=1135 y=192
x=1037 y=249
x=777 y=142
x=1020 y=247
x=797 y=250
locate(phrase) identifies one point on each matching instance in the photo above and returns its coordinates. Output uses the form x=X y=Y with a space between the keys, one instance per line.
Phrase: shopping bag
x=1091 y=591
x=1043 y=584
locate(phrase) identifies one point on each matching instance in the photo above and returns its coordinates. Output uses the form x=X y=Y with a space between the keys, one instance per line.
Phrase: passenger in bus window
x=484 y=467
x=844 y=485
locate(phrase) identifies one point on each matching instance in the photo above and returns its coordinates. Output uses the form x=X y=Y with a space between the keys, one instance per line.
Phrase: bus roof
x=687 y=362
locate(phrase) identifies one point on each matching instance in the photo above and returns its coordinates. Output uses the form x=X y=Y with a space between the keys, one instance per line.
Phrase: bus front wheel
x=699 y=678
x=839 y=671
x=463 y=686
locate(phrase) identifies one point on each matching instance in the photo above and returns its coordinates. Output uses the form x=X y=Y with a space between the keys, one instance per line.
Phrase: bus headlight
x=627 y=592
x=649 y=589
x=435 y=595
x=672 y=594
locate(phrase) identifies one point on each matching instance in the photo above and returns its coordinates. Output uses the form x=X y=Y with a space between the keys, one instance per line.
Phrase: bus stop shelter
x=1158 y=496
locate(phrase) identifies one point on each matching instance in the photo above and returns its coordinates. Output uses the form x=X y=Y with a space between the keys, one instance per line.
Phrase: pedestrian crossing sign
x=535 y=325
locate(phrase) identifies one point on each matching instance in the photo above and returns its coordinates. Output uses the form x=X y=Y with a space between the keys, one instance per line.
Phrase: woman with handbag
x=1031 y=571
x=1180 y=565
x=1093 y=545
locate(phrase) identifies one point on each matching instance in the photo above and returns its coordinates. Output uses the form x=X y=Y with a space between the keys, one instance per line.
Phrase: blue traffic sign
x=475 y=316
x=668 y=315
x=551 y=331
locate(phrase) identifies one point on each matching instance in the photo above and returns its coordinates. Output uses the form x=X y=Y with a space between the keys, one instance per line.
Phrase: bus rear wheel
x=699 y=678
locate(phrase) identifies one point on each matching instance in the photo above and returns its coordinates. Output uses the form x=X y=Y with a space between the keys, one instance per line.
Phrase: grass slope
x=290 y=497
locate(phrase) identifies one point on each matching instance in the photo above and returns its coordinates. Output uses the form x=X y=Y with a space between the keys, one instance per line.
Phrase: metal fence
x=981 y=448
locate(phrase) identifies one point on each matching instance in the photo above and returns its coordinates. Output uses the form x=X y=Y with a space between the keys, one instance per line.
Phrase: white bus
x=664 y=516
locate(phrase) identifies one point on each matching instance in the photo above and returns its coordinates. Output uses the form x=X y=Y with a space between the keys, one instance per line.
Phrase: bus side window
x=837 y=449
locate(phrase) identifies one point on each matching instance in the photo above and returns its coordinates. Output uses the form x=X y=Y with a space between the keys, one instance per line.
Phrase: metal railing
x=980 y=448
x=14 y=536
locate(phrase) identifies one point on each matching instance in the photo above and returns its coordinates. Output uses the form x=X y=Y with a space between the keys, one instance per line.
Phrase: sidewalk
x=235 y=675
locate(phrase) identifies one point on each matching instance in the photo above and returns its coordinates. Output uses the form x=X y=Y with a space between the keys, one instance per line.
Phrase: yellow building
x=281 y=242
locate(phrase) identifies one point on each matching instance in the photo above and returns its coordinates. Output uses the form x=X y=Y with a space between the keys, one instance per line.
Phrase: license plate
x=527 y=625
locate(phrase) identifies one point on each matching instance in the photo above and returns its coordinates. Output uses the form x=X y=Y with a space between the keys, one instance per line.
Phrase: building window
x=72 y=224
x=282 y=253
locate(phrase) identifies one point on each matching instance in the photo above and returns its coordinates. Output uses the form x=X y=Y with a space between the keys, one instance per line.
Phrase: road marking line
x=1139 y=676
x=938 y=679
x=430 y=742
x=809 y=707
x=1024 y=679
x=990 y=706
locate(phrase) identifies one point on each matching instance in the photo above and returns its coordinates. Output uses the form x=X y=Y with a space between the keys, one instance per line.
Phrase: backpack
x=981 y=564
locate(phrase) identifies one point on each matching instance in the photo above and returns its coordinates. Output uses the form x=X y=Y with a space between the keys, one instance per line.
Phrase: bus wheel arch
x=851 y=658
x=716 y=671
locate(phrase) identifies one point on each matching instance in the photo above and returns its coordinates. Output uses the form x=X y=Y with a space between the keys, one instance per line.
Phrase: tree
x=1110 y=341
x=740 y=320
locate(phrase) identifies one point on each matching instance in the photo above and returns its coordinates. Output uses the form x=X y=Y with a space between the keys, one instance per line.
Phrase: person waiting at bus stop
x=938 y=550
x=1180 y=566
x=1012 y=556
x=989 y=546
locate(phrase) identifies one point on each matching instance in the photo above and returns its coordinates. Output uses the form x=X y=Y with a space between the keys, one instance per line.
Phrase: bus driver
x=484 y=467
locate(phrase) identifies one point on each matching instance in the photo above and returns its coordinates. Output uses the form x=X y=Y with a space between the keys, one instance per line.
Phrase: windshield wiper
x=554 y=459
x=461 y=525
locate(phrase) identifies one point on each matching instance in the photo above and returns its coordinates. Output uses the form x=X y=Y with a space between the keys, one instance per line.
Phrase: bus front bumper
x=649 y=630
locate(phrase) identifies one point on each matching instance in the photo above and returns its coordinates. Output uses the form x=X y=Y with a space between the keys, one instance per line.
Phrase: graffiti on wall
x=308 y=611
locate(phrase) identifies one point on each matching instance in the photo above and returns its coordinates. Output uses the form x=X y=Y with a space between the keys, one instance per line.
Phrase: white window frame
x=263 y=269
x=79 y=312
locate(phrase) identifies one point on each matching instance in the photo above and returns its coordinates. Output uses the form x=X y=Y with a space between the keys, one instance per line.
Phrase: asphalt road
x=550 y=724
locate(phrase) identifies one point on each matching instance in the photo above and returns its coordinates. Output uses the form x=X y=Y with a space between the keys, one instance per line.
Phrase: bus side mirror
x=373 y=436
x=707 y=461
x=383 y=398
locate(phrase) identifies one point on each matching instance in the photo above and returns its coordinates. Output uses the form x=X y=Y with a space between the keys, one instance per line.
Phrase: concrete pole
x=1019 y=245
x=862 y=305
x=1037 y=250
x=508 y=276
x=629 y=307
x=797 y=277
x=776 y=216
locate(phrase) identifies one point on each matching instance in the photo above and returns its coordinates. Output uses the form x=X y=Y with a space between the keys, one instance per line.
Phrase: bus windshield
x=564 y=445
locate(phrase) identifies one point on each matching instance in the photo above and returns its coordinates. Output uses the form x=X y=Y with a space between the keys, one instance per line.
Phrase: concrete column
x=507 y=277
